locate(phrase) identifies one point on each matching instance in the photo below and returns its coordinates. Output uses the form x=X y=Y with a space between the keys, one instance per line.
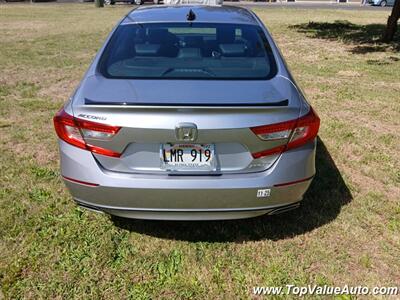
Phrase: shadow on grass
x=364 y=38
x=321 y=204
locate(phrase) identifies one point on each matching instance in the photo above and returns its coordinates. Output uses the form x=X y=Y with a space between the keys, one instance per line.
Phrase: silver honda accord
x=188 y=113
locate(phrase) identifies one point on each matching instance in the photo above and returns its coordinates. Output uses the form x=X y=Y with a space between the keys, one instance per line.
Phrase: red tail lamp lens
x=300 y=132
x=72 y=131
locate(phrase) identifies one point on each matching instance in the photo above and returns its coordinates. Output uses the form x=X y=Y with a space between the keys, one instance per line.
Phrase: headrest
x=232 y=49
x=147 y=49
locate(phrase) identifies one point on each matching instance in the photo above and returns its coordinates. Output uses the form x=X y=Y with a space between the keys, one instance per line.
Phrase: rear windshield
x=188 y=51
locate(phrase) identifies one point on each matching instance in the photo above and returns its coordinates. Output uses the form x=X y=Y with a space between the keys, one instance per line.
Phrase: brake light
x=306 y=130
x=297 y=132
x=73 y=131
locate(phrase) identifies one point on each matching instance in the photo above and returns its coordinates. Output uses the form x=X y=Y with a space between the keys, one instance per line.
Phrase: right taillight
x=73 y=131
x=294 y=132
x=305 y=131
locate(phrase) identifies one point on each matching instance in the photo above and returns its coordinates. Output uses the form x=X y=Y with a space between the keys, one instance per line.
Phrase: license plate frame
x=186 y=162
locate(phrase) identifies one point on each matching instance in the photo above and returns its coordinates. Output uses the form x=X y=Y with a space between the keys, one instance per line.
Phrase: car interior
x=158 y=51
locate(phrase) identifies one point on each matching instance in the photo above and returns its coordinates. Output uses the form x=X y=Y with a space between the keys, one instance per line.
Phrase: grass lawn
x=346 y=232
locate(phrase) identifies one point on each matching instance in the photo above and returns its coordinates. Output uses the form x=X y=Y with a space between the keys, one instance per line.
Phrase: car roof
x=204 y=13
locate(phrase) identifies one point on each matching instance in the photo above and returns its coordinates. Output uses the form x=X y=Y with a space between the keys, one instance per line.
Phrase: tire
x=109 y=2
x=138 y=2
x=383 y=3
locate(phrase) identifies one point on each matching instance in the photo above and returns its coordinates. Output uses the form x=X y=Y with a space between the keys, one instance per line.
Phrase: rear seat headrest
x=147 y=49
x=232 y=49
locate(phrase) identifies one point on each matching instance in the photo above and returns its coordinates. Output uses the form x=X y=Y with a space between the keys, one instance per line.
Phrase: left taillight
x=73 y=131
x=294 y=133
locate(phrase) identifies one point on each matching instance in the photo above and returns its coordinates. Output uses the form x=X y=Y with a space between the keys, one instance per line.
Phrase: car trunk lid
x=148 y=112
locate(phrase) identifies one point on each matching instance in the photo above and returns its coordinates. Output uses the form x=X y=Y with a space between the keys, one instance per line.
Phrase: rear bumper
x=194 y=215
x=166 y=197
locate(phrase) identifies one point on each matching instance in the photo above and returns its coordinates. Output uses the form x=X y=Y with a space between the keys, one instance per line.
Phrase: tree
x=100 y=3
x=392 y=23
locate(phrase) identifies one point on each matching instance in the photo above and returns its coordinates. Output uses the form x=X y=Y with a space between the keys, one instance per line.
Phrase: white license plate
x=188 y=157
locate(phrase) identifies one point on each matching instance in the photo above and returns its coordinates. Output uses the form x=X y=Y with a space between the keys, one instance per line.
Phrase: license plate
x=188 y=157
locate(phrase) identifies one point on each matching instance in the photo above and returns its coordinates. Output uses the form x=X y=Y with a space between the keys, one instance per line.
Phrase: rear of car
x=382 y=3
x=188 y=113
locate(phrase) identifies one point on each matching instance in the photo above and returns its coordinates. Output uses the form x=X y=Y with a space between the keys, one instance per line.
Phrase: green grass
x=346 y=232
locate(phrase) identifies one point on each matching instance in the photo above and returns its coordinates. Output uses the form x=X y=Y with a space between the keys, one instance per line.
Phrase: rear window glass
x=188 y=51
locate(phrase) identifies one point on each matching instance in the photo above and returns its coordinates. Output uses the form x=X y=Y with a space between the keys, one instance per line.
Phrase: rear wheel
x=109 y=2
x=138 y=2
x=383 y=3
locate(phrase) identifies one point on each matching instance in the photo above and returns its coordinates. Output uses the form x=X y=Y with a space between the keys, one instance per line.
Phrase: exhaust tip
x=284 y=209
x=90 y=208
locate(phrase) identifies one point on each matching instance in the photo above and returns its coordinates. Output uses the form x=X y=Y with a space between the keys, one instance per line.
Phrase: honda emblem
x=186 y=132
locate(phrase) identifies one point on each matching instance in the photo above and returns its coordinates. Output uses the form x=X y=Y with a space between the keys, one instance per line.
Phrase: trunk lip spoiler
x=282 y=103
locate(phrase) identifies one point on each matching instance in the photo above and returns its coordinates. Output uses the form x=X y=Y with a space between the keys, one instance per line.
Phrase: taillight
x=305 y=131
x=73 y=131
x=297 y=132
